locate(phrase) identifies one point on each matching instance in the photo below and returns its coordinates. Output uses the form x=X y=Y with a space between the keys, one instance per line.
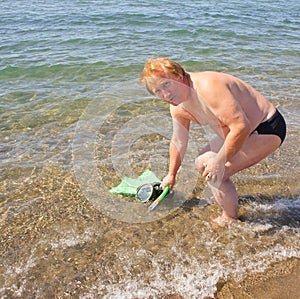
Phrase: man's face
x=173 y=91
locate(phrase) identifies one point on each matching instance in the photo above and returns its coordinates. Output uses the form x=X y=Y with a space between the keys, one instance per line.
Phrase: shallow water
x=74 y=121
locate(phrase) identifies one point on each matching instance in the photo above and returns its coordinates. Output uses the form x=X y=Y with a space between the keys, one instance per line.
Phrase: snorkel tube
x=159 y=198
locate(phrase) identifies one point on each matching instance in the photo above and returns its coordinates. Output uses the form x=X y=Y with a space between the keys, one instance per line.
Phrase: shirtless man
x=247 y=125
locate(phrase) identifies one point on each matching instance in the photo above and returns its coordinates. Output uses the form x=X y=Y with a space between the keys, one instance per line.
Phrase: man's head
x=160 y=68
x=164 y=78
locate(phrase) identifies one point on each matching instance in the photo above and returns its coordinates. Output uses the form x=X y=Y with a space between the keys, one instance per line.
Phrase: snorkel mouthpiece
x=159 y=198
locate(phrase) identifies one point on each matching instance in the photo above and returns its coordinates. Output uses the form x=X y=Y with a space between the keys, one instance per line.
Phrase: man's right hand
x=169 y=180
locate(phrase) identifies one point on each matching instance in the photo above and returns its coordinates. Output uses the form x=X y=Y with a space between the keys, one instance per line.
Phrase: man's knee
x=202 y=159
x=199 y=163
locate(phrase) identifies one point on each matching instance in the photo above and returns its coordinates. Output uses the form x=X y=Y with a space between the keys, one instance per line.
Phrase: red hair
x=160 y=67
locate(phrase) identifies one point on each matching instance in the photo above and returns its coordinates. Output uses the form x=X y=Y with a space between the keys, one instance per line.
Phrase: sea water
x=74 y=121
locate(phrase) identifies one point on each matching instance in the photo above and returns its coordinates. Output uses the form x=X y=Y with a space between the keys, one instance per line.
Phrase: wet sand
x=55 y=243
x=60 y=245
x=280 y=281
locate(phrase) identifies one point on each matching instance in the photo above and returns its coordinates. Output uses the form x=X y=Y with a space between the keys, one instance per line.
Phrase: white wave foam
x=71 y=238
x=19 y=269
x=189 y=277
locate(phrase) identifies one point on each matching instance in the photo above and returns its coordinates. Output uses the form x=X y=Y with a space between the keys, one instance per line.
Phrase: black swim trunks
x=275 y=126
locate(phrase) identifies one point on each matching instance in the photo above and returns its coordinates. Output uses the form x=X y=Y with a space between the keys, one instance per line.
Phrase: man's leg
x=256 y=148
x=227 y=198
x=223 y=190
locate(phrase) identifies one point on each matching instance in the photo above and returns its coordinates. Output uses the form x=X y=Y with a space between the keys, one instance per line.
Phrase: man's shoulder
x=206 y=79
x=180 y=114
x=176 y=110
x=205 y=74
x=211 y=75
x=209 y=81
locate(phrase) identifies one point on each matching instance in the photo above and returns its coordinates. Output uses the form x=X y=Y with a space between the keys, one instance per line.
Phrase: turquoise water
x=65 y=64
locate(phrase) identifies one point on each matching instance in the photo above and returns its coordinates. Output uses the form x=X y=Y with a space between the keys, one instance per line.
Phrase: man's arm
x=233 y=121
x=231 y=115
x=178 y=146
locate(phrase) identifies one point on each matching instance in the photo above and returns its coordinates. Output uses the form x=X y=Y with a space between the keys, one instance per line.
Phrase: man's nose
x=166 y=94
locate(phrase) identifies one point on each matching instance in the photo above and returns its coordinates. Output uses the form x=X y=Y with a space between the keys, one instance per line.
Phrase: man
x=247 y=125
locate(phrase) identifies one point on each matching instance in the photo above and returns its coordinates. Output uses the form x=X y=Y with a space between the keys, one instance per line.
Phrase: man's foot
x=223 y=220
